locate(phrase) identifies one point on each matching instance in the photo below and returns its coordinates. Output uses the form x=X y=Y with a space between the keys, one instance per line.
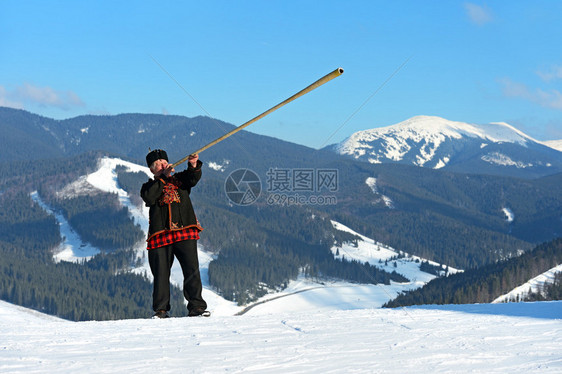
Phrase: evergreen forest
x=486 y=283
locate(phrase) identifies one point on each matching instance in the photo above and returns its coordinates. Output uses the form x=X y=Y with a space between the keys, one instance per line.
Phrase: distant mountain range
x=432 y=188
x=131 y=135
x=436 y=143
x=431 y=142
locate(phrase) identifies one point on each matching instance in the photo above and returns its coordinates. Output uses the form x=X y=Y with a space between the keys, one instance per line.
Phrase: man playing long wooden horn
x=173 y=231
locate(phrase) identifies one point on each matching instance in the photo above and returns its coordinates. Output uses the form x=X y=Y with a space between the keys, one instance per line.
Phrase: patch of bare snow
x=80 y=187
x=508 y=214
x=442 y=163
x=503 y=160
x=218 y=167
x=372 y=183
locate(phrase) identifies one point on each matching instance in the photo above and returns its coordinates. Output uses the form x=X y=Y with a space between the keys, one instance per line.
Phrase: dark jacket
x=171 y=213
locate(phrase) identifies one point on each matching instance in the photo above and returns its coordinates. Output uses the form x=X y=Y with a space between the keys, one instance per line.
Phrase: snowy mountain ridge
x=429 y=130
x=435 y=128
x=555 y=144
x=430 y=141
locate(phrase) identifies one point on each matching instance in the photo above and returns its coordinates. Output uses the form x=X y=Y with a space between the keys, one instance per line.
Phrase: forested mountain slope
x=485 y=284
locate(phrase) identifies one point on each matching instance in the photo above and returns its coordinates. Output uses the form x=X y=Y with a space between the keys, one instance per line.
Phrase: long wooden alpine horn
x=318 y=83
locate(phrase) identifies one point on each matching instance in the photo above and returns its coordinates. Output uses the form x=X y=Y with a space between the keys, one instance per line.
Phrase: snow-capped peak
x=554 y=144
x=428 y=141
x=433 y=128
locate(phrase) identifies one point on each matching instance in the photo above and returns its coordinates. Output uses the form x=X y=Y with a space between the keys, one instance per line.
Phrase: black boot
x=199 y=312
x=161 y=314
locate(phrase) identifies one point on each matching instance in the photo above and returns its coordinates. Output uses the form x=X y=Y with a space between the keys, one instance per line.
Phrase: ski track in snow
x=481 y=338
x=72 y=248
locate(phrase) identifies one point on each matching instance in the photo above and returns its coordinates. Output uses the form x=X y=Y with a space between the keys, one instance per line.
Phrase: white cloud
x=514 y=89
x=28 y=94
x=555 y=72
x=477 y=14
x=6 y=101
x=549 y=99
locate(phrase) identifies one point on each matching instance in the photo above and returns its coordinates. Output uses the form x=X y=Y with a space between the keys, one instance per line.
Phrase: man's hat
x=154 y=155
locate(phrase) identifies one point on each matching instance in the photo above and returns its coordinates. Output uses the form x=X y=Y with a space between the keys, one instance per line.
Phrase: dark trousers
x=161 y=260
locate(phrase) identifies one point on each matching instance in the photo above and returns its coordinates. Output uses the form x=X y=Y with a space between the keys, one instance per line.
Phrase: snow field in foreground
x=482 y=338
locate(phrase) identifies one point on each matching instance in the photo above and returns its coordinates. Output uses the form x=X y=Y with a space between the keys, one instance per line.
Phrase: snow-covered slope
x=435 y=142
x=535 y=285
x=324 y=295
x=485 y=338
x=384 y=257
x=72 y=248
x=300 y=295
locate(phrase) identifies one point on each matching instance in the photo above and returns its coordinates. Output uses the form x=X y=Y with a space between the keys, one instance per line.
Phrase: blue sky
x=477 y=62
